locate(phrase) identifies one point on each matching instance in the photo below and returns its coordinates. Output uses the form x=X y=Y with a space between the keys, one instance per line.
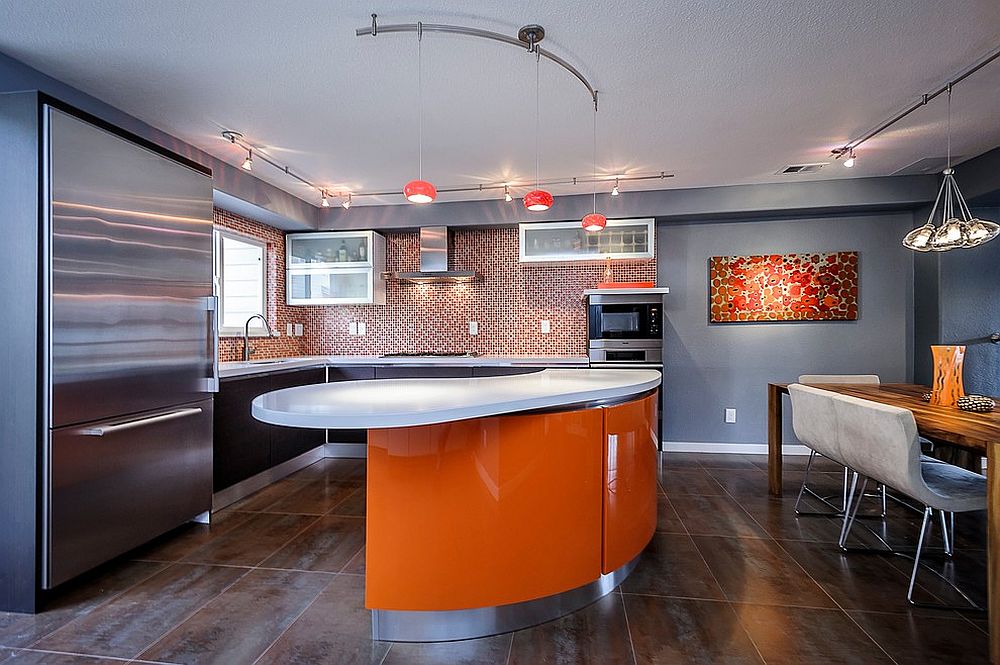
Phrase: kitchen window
x=241 y=278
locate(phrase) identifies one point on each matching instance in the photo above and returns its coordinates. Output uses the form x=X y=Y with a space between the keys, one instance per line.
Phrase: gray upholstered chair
x=863 y=379
x=814 y=421
x=880 y=443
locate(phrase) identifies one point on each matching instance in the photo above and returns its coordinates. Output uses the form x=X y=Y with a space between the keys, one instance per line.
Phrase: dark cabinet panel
x=504 y=371
x=241 y=443
x=289 y=442
x=412 y=372
x=349 y=373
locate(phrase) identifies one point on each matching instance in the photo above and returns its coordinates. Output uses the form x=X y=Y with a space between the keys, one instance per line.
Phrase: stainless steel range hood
x=435 y=245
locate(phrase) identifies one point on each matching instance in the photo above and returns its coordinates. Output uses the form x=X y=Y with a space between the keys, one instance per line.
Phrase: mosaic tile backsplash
x=508 y=304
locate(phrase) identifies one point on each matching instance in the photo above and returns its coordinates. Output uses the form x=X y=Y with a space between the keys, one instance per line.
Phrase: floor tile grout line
x=285 y=544
x=510 y=647
x=62 y=652
x=190 y=614
x=746 y=632
x=628 y=628
x=293 y=621
x=99 y=605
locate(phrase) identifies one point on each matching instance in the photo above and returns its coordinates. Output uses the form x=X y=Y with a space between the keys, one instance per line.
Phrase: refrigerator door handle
x=212 y=381
x=140 y=422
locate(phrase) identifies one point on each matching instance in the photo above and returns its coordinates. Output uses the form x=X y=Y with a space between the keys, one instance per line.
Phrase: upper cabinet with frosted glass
x=556 y=242
x=335 y=268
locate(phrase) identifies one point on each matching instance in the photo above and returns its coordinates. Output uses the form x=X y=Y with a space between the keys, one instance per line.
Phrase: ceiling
x=718 y=93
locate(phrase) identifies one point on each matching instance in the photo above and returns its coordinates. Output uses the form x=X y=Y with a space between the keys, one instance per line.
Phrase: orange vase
x=947 y=386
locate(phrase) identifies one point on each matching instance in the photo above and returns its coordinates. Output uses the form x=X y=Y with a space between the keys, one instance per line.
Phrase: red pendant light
x=419 y=191
x=594 y=222
x=537 y=200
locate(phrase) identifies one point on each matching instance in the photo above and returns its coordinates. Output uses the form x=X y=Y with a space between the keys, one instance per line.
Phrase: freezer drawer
x=116 y=484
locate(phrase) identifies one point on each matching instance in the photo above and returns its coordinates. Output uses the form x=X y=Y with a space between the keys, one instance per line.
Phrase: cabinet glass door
x=320 y=249
x=562 y=241
x=319 y=287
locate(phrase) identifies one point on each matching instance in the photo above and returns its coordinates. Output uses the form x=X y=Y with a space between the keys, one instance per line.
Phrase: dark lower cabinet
x=241 y=443
x=417 y=372
x=289 y=442
x=504 y=371
x=244 y=446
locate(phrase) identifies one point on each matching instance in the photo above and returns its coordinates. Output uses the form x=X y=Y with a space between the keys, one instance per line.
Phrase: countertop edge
x=431 y=417
x=344 y=361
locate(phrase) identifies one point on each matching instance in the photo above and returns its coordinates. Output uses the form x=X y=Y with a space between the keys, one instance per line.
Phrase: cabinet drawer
x=116 y=485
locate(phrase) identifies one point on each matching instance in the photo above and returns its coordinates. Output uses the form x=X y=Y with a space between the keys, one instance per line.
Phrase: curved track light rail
x=528 y=37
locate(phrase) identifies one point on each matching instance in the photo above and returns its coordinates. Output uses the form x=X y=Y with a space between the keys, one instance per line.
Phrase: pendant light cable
x=595 y=158
x=538 y=59
x=420 y=103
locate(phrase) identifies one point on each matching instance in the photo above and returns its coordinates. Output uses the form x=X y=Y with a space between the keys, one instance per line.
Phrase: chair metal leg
x=948 y=544
x=884 y=508
x=805 y=479
x=843 y=503
x=852 y=509
x=916 y=557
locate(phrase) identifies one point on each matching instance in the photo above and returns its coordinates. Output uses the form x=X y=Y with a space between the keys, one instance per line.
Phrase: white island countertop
x=240 y=368
x=410 y=402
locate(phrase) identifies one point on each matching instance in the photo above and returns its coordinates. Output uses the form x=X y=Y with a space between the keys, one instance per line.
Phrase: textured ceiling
x=717 y=92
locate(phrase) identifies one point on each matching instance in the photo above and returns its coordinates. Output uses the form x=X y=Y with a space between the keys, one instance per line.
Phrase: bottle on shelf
x=342 y=252
x=362 y=251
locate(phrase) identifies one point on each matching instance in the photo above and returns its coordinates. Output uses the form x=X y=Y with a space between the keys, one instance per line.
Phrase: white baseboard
x=729 y=448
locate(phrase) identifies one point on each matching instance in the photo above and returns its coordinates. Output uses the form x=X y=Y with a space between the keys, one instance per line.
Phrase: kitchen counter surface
x=409 y=402
x=240 y=368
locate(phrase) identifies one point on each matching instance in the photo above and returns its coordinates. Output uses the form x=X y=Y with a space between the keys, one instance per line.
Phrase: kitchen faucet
x=246 y=334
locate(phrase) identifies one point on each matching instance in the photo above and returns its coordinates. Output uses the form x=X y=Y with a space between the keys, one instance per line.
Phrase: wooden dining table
x=976 y=432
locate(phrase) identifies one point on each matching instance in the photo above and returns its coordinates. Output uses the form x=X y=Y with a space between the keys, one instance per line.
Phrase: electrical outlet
x=362 y=327
x=352 y=328
x=546 y=326
x=730 y=415
x=298 y=330
x=473 y=327
x=290 y=329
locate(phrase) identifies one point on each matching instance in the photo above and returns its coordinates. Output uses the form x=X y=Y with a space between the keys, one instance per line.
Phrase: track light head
x=849 y=162
x=614 y=190
x=506 y=194
x=325 y=202
x=346 y=203
x=248 y=162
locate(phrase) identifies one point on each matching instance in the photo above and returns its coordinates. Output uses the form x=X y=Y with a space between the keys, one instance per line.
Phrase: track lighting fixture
x=325 y=202
x=248 y=162
x=506 y=194
x=346 y=203
x=614 y=190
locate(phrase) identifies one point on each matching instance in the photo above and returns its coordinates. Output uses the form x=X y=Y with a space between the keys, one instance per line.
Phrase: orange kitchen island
x=494 y=503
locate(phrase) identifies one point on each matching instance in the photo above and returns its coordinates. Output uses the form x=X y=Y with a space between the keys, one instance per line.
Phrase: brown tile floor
x=732 y=576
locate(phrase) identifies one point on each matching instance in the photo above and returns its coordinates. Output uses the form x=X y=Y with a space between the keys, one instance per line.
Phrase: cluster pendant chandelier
x=958 y=228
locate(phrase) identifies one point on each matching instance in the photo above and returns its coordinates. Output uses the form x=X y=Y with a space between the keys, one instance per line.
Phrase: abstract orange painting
x=784 y=287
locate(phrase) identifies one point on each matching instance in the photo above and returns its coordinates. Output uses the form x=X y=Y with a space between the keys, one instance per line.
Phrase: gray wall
x=242 y=192
x=958 y=297
x=710 y=367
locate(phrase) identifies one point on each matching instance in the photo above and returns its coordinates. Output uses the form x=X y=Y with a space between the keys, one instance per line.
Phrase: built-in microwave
x=625 y=328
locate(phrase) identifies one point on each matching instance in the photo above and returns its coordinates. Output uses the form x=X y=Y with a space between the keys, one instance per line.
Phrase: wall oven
x=625 y=328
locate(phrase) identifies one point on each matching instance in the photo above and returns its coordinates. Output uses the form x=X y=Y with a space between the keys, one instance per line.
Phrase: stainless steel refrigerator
x=130 y=342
